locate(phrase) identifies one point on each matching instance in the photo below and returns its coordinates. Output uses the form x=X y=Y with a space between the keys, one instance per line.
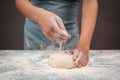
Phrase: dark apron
x=67 y=10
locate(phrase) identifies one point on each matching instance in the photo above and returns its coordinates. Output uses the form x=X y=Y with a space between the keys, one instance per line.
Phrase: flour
x=35 y=67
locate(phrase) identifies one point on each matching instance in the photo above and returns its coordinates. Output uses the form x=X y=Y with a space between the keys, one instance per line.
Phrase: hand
x=80 y=58
x=53 y=27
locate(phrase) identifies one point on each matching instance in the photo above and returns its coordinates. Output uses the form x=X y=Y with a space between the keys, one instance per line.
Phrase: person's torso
x=66 y=9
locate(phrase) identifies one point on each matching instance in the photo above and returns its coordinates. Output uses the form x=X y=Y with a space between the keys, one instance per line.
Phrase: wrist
x=39 y=17
x=83 y=44
x=83 y=47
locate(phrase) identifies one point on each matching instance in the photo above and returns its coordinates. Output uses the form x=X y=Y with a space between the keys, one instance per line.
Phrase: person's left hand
x=80 y=57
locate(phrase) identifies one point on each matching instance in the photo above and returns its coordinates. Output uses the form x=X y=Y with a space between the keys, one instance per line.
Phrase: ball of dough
x=61 y=60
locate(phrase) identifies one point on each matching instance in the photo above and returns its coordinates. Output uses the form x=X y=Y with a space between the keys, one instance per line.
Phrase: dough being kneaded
x=61 y=60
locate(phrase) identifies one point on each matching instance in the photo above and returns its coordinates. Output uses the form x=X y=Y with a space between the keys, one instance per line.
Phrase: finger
x=55 y=25
x=82 y=59
x=51 y=37
x=74 y=58
x=64 y=35
x=54 y=39
x=60 y=23
x=79 y=57
x=67 y=51
x=58 y=37
x=58 y=32
x=72 y=51
x=79 y=65
x=75 y=55
x=78 y=62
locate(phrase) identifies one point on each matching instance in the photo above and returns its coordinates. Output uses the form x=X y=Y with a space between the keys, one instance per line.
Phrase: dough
x=61 y=60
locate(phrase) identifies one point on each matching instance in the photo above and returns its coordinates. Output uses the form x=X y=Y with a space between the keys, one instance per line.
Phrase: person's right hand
x=53 y=27
x=50 y=23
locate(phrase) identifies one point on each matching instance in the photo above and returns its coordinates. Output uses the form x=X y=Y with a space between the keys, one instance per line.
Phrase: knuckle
x=59 y=19
x=84 y=64
x=47 y=33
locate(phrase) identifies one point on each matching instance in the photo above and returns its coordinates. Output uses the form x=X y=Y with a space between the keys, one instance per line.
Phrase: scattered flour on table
x=36 y=64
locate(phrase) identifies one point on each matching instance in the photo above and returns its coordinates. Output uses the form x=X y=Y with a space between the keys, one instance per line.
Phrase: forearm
x=89 y=15
x=28 y=10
